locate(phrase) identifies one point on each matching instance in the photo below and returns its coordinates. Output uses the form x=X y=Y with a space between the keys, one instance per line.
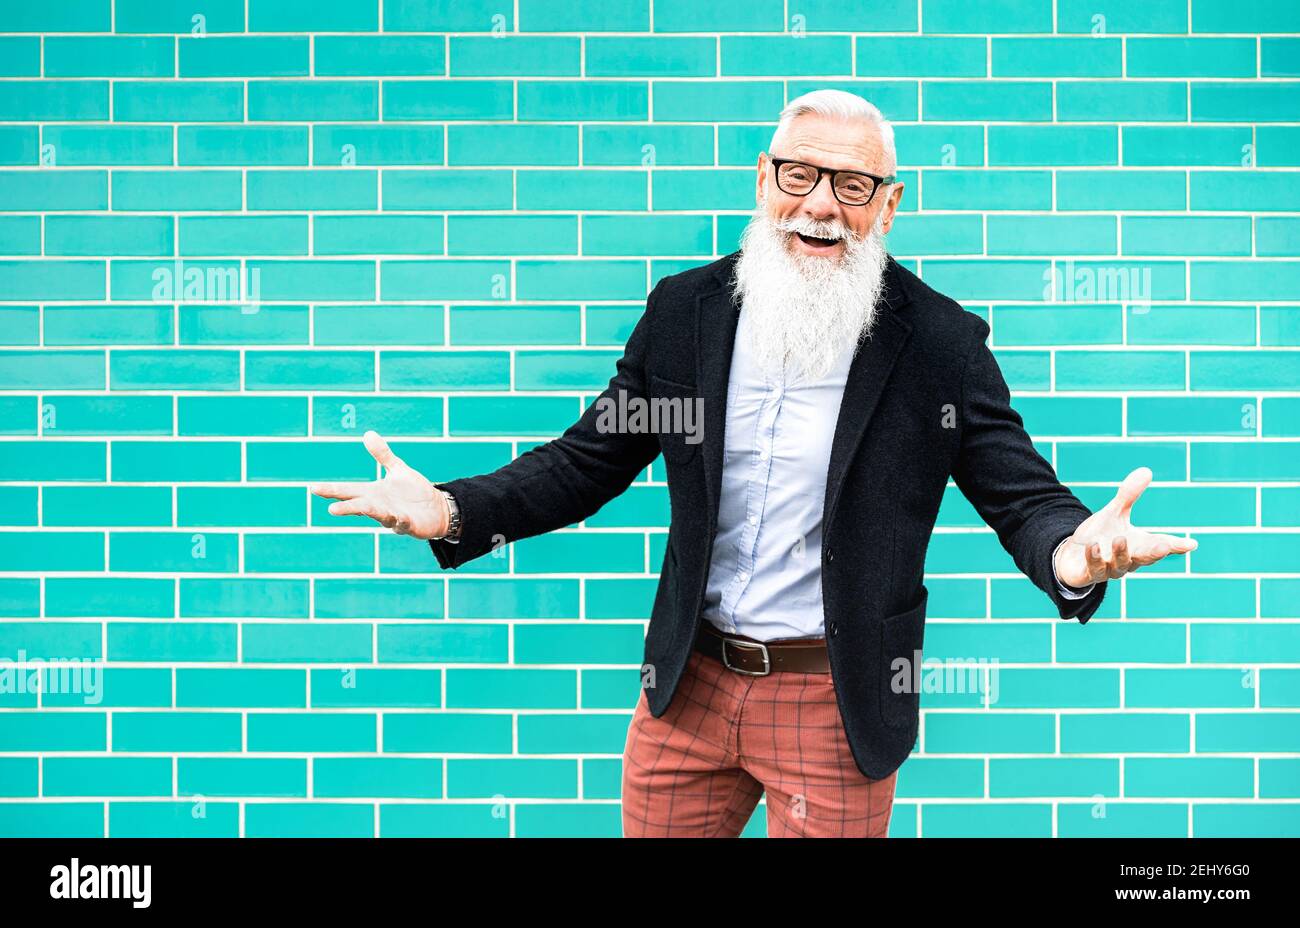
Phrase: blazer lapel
x=716 y=319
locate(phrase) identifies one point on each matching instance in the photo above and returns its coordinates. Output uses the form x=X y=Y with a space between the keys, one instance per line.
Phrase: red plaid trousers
x=727 y=738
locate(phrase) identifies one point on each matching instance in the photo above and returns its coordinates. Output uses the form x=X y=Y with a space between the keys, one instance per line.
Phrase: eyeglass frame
x=876 y=178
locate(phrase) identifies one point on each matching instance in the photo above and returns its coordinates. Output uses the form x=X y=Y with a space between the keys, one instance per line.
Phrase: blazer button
x=830 y=555
x=834 y=629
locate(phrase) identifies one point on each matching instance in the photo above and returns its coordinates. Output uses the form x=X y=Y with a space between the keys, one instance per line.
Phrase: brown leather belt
x=759 y=658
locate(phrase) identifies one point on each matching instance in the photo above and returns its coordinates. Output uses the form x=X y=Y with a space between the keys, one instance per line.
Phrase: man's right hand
x=403 y=500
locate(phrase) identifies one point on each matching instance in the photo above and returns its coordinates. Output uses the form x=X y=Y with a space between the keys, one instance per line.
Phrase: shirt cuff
x=1069 y=592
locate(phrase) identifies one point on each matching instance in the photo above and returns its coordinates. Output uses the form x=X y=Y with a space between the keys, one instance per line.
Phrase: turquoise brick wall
x=454 y=212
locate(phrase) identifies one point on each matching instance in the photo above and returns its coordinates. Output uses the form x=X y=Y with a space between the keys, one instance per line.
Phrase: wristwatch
x=453 y=521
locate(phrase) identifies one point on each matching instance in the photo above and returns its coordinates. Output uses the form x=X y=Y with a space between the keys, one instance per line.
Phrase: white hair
x=838 y=104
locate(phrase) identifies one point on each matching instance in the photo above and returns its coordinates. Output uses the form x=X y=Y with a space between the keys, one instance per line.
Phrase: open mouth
x=823 y=244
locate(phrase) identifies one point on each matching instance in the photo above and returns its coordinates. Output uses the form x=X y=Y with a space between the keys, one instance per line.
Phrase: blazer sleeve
x=562 y=481
x=1010 y=484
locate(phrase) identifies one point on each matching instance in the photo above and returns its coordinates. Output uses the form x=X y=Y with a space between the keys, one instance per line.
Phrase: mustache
x=828 y=229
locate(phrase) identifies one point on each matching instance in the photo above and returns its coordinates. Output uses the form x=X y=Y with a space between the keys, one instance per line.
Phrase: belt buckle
x=767 y=661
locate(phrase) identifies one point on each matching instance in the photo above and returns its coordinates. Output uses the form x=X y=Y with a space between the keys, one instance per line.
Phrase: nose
x=820 y=202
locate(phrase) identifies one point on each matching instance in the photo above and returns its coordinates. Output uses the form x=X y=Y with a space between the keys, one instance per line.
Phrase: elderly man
x=838 y=395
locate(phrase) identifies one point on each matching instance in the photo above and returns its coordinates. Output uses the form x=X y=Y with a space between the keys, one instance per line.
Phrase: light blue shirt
x=765 y=576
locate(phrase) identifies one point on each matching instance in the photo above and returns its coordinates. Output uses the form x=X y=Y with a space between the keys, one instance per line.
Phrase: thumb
x=379 y=449
x=1132 y=488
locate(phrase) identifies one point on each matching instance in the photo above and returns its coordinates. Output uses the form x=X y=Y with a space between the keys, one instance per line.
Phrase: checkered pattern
x=727 y=738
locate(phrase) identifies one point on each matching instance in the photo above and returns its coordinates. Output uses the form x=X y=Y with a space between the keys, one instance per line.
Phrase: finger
x=1177 y=544
x=1131 y=489
x=1121 y=563
x=361 y=506
x=1096 y=562
x=379 y=449
x=339 y=490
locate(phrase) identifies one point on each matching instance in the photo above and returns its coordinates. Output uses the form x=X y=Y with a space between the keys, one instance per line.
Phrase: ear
x=760 y=181
x=891 y=206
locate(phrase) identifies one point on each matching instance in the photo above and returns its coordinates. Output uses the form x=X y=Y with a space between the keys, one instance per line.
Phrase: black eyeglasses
x=852 y=188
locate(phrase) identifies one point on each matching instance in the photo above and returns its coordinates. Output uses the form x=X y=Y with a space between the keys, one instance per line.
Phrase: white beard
x=805 y=310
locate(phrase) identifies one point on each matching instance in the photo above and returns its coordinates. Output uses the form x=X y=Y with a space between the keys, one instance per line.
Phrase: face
x=830 y=143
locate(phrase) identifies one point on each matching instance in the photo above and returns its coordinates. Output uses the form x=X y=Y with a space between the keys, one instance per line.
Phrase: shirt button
x=753 y=520
x=762 y=455
x=742 y=577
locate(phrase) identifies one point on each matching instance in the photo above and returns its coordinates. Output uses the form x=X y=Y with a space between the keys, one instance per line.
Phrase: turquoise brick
x=997 y=280
x=238 y=598
x=404 y=777
x=52 y=280
x=1277 y=236
x=387 y=598
x=215 y=688
x=572 y=733
x=446 y=820
x=507 y=598
x=146 y=461
x=20 y=235
x=452 y=189
x=1028 y=235
x=717 y=101
x=59 y=16
x=1260 y=190
x=174 y=369
x=1271 y=462
x=1191 y=57
x=106 y=506
x=502 y=55
x=53 y=731
x=1178 y=235
x=1018 y=146
x=308 y=461
x=1049 y=325
x=1228 y=280
x=110 y=597
x=443 y=280
x=107 y=776
x=505 y=689
x=115 y=56
x=20 y=509
x=270 y=553
x=461 y=643
x=1278 y=57
x=1232 y=370
x=241 y=776
x=1096 y=190
x=525 y=778
x=21 y=56
x=313 y=15
x=239 y=235
x=303 y=101
x=64 y=460
x=656 y=235
x=176 y=190
x=1021 y=101
x=1146 y=146
x=99 y=235
x=52 y=820
x=921 y=56
x=313 y=189
x=1238 y=101
x=241 y=415
x=1145 y=101
x=1277 y=145
x=177 y=16
x=363 y=235
x=244 y=56
x=460 y=99
x=240 y=506
x=987 y=190
x=1191 y=325
x=236 y=325
x=107 y=415
x=1108 y=461
x=172 y=819
x=594 y=189
x=620 y=144
x=363 y=56
x=111 y=145
x=360 y=144
x=995 y=16
x=54 y=190
x=278 y=643
x=583 y=99
x=1280 y=506
x=1176 y=415
x=50 y=100
x=536 y=324
x=178 y=101
x=46 y=639
x=512 y=144
x=372 y=325
x=1154 y=16
x=995 y=733
x=19 y=145
x=1282 y=417
x=177 y=731
x=1123 y=820
x=481 y=733
x=387 y=687
x=649 y=56
x=1056 y=776
x=198 y=552
x=316 y=280
x=584 y=15
x=1190 y=597
x=1056 y=57
x=308 y=370
x=490 y=415
x=241 y=145
x=512 y=235
x=785 y=55
x=938 y=234
x=354 y=415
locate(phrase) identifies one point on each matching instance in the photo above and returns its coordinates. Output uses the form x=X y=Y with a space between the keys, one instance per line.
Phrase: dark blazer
x=924 y=401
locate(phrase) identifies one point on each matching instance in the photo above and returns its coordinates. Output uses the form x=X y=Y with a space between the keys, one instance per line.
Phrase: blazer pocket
x=901 y=638
x=676 y=415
